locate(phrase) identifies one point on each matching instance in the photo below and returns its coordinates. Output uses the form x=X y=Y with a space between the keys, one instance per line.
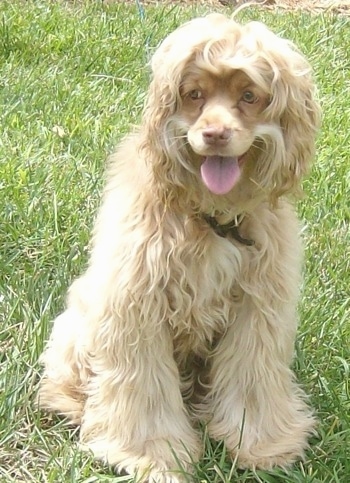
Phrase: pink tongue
x=220 y=174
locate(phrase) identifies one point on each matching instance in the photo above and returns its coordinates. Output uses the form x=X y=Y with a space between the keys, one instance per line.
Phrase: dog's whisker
x=172 y=141
x=179 y=137
x=260 y=147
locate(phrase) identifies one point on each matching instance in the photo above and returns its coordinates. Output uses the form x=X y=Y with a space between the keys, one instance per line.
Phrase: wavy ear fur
x=294 y=101
x=162 y=102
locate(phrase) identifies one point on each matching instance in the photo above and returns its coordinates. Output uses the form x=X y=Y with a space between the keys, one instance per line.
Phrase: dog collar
x=228 y=230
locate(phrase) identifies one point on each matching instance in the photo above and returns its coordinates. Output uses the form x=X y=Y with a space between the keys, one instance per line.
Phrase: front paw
x=155 y=460
x=268 y=445
x=267 y=456
x=160 y=475
x=168 y=461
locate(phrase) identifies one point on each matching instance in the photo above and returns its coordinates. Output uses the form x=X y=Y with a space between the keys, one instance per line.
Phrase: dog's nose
x=216 y=135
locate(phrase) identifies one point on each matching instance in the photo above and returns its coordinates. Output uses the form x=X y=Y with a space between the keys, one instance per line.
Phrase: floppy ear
x=163 y=100
x=295 y=108
x=164 y=90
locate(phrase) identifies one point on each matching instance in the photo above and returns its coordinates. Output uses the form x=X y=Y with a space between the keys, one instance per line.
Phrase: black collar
x=230 y=229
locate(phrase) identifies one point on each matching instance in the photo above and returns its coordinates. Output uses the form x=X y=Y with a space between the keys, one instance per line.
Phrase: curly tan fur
x=171 y=323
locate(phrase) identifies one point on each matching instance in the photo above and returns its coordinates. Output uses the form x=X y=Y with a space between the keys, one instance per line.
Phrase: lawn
x=72 y=83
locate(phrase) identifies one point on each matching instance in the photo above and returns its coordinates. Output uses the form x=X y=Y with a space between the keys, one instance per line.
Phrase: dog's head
x=231 y=105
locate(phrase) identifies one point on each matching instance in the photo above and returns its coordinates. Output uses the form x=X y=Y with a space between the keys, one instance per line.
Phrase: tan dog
x=187 y=310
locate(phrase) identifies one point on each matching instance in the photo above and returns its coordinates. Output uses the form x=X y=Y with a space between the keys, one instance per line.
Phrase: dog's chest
x=203 y=293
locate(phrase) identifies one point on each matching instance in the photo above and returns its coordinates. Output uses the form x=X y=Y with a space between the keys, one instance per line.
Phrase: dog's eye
x=195 y=94
x=249 y=97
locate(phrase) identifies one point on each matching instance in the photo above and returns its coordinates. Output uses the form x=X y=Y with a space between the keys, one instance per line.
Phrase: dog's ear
x=163 y=100
x=295 y=107
x=164 y=90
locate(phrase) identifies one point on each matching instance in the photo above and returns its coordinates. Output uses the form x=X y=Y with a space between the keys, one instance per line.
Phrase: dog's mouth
x=221 y=173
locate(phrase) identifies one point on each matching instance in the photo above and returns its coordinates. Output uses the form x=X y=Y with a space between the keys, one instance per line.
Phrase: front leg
x=135 y=418
x=254 y=403
x=256 y=406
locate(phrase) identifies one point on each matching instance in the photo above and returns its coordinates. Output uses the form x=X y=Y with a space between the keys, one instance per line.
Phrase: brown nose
x=216 y=135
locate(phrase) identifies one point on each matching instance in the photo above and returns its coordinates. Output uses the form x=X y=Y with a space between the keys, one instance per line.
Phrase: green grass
x=72 y=82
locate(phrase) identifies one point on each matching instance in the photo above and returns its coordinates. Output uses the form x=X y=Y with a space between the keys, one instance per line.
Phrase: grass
x=72 y=82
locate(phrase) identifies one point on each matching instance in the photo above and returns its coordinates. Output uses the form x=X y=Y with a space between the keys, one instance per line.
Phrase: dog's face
x=230 y=105
x=221 y=113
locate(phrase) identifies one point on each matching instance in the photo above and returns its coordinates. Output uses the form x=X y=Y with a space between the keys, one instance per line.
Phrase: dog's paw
x=259 y=459
x=160 y=472
x=152 y=461
x=255 y=447
x=165 y=476
x=162 y=463
x=280 y=450
x=264 y=439
x=61 y=398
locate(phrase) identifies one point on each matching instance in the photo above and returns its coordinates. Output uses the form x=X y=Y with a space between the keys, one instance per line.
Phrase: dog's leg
x=65 y=374
x=134 y=416
x=254 y=403
x=257 y=408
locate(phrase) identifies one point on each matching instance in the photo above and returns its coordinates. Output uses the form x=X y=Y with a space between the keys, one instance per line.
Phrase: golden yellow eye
x=195 y=94
x=249 y=97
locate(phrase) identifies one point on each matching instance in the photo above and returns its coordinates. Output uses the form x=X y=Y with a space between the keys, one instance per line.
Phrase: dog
x=186 y=313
